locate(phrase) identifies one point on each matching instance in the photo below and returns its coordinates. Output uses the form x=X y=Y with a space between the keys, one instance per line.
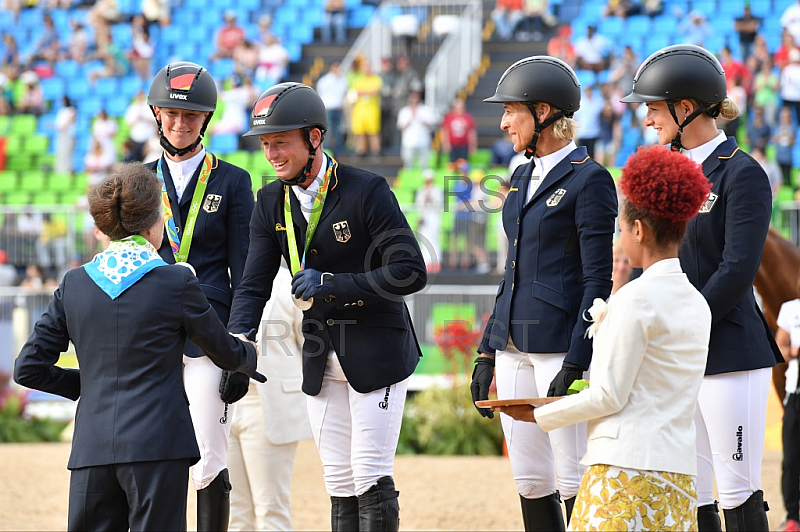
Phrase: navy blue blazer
x=363 y=238
x=133 y=407
x=221 y=233
x=559 y=259
x=721 y=253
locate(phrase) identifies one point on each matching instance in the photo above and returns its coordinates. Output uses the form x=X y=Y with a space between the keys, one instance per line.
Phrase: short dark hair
x=126 y=202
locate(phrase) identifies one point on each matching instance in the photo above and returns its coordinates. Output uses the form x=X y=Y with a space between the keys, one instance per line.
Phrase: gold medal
x=302 y=304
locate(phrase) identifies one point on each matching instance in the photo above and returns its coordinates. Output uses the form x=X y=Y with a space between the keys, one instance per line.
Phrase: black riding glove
x=568 y=373
x=482 y=377
x=233 y=386
x=309 y=283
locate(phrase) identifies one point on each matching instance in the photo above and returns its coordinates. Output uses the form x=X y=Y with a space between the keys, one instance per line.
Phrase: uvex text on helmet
x=540 y=78
x=682 y=71
x=183 y=85
x=287 y=106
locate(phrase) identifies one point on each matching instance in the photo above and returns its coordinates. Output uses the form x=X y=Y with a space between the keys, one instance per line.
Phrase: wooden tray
x=534 y=401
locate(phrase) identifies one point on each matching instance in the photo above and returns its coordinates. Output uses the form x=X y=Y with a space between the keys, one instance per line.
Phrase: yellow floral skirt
x=616 y=498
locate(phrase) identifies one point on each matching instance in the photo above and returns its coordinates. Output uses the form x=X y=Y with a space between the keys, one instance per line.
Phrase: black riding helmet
x=681 y=71
x=183 y=85
x=289 y=106
x=540 y=78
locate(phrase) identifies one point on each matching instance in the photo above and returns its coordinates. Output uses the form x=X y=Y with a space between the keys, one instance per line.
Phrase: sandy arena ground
x=436 y=493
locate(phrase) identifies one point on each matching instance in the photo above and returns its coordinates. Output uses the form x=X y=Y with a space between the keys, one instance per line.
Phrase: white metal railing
x=787 y=220
x=456 y=59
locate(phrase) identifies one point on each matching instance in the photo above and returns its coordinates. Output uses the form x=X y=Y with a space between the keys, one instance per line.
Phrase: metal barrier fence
x=786 y=220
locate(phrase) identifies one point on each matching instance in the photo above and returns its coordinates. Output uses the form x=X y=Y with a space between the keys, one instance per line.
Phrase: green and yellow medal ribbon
x=319 y=200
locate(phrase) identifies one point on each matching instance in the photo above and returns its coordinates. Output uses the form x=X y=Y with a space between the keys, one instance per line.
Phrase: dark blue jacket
x=721 y=253
x=375 y=262
x=559 y=259
x=133 y=407
x=221 y=233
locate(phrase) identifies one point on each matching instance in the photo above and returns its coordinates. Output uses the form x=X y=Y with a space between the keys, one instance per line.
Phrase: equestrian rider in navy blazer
x=559 y=260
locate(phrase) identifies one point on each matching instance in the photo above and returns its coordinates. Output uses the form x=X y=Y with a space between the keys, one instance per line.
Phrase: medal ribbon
x=180 y=247
x=313 y=220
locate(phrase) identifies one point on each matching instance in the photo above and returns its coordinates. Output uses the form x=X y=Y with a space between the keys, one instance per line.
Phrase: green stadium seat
x=480 y=158
x=5 y=124
x=14 y=144
x=239 y=158
x=32 y=181
x=59 y=182
x=21 y=162
x=17 y=198
x=79 y=183
x=70 y=197
x=23 y=125
x=36 y=144
x=409 y=178
x=46 y=198
x=8 y=181
x=405 y=196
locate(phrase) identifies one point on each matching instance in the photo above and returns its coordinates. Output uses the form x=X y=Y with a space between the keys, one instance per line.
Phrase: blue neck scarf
x=122 y=264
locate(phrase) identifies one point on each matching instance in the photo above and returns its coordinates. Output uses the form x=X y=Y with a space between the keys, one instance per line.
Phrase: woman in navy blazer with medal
x=559 y=219
x=207 y=205
x=128 y=314
x=353 y=257
x=684 y=89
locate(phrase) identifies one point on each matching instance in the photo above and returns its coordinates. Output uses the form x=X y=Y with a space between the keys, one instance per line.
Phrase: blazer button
x=517 y=220
x=313 y=251
x=360 y=303
x=515 y=241
x=328 y=299
x=513 y=264
x=512 y=286
x=330 y=322
x=347 y=304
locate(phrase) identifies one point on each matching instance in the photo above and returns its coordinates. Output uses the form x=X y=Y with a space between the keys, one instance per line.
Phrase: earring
x=637 y=240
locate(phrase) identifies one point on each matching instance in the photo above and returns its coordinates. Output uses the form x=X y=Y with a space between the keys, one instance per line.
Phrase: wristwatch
x=326 y=278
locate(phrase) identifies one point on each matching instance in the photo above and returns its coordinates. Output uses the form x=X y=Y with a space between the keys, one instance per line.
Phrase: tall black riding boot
x=708 y=518
x=748 y=517
x=378 y=508
x=344 y=514
x=543 y=514
x=214 y=505
x=569 y=504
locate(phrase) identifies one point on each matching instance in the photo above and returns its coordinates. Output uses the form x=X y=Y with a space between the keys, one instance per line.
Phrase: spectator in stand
x=389 y=137
x=98 y=162
x=406 y=82
x=784 y=143
x=694 y=28
x=365 y=121
x=239 y=98
x=592 y=50
x=772 y=170
x=65 y=120
x=619 y=8
x=735 y=69
x=429 y=202
x=765 y=92
x=607 y=145
x=78 y=43
x=142 y=49
x=459 y=134
x=245 y=59
x=781 y=57
x=156 y=12
x=104 y=129
x=652 y=8
x=623 y=69
x=102 y=14
x=537 y=20
x=588 y=116
x=331 y=88
x=760 y=53
x=747 y=27
x=506 y=15
x=502 y=152
x=790 y=21
x=229 y=36
x=759 y=133
x=10 y=63
x=334 y=22
x=48 y=47
x=416 y=122
x=790 y=83
x=264 y=27
x=561 y=47
x=139 y=119
x=115 y=63
x=739 y=96
x=13 y=7
x=273 y=60
x=5 y=99
x=32 y=99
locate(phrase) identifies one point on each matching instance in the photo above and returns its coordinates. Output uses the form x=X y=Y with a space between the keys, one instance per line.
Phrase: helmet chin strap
x=168 y=146
x=676 y=145
x=312 y=152
x=530 y=150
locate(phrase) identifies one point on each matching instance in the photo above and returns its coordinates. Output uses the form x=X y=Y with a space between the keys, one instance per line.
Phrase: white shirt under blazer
x=650 y=352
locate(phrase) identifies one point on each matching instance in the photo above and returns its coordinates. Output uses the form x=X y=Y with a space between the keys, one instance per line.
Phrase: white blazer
x=650 y=351
x=281 y=360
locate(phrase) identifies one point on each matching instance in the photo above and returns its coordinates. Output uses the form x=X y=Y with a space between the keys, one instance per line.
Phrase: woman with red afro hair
x=650 y=348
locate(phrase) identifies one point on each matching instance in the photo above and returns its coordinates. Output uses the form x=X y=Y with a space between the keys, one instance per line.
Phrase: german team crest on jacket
x=709 y=204
x=211 y=204
x=342 y=231
x=555 y=198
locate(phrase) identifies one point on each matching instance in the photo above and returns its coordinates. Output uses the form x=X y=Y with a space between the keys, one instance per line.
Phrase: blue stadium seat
x=586 y=77
x=122 y=34
x=221 y=68
x=129 y=7
x=224 y=143
x=90 y=106
x=610 y=27
x=78 y=88
x=665 y=25
x=52 y=88
x=638 y=25
x=106 y=87
x=67 y=69
x=762 y=8
x=360 y=16
x=117 y=105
